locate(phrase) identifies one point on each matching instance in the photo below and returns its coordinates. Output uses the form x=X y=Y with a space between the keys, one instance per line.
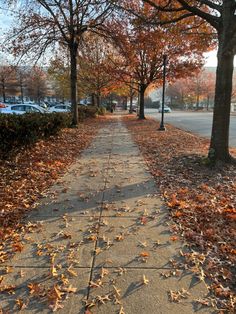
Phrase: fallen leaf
x=21 y=304
x=71 y=271
x=145 y=281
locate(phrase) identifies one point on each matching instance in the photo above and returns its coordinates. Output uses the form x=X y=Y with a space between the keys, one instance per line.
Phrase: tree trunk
x=131 y=103
x=125 y=101
x=3 y=91
x=197 y=103
x=208 y=102
x=142 y=89
x=73 y=82
x=98 y=96
x=131 y=94
x=219 y=146
x=93 y=99
x=21 y=94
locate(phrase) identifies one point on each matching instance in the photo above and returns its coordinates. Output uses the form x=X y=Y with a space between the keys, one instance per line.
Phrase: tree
x=148 y=102
x=42 y=23
x=209 y=90
x=192 y=90
x=6 y=72
x=59 y=73
x=220 y=15
x=96 y=66
x=37 y=84
x=142 y=47
x=178 y=94
x=21 y=74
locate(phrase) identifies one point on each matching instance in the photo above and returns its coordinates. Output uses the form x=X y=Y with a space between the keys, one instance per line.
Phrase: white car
x=22 y=109
x=166 y=109
x=60 y=108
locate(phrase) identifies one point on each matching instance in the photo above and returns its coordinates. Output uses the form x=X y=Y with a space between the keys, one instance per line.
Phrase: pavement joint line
x=101 y=209
x=99 y=267
x=136 y=267
x=93 y=216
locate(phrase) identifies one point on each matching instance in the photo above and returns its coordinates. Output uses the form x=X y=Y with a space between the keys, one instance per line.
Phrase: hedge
x=87 y=112
x=24 y=130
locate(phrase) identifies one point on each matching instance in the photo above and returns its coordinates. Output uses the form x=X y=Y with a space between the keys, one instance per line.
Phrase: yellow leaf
x=54 y=271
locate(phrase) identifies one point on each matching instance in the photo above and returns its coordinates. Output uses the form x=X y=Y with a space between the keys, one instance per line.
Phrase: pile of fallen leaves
x=25 y=177
x=202 y=202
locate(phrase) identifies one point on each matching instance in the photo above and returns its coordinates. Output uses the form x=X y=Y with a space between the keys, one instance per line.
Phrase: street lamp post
x=162 y=127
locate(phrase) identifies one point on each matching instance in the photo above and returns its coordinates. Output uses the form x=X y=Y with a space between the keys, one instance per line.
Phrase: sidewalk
x=101 y=238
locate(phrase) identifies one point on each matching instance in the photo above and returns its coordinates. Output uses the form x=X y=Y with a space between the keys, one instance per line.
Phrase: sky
x=5 y=21
x=211 y=59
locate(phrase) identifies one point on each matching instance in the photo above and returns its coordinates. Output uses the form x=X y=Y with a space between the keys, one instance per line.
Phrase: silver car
x=60 y=108
x=22 y=109
x=166 y=109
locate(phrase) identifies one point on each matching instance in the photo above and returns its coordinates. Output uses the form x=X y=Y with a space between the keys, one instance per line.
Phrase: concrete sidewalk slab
x=104 y=227
x=67 y=239
x=72 y=302
x=129 y=292
x=137 y=245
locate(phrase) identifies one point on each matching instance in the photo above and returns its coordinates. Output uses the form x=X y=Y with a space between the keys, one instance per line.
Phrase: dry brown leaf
x=10 y=289
x=34 y=288
x=57 y=305
x=21 y=304
x=17 y=247
x=71 y=271
x=117 y=291
x=144 y=254
x=69 y=289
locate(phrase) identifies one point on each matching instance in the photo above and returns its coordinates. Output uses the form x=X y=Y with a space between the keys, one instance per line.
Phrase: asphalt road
x=196 y=122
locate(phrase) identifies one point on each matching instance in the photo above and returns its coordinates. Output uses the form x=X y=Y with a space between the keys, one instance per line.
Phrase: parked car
x=22 y=109
x=166 y=109
x=60 y=108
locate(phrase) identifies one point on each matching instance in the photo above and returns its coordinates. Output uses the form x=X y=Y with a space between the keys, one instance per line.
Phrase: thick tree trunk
x=73 y=82
x=219 y=147
x=142 y=89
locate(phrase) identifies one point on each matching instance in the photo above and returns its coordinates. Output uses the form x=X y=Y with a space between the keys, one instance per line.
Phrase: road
x=196 y=122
